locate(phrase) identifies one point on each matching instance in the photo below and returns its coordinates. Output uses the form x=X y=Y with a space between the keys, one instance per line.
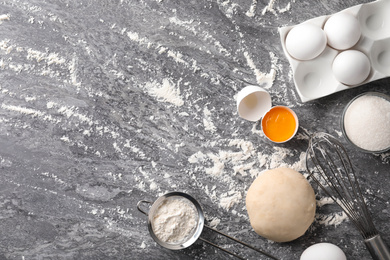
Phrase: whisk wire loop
x=334 y=174
x=331 y=169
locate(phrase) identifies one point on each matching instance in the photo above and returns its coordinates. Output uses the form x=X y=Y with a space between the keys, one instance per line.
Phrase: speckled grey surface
x=87 y=128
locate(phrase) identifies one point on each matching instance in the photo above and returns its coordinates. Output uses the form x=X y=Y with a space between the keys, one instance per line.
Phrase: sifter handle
x=139 y=204
x=377 y=248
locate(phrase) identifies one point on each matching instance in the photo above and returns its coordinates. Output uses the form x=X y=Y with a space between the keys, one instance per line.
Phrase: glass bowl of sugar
x=365 y=122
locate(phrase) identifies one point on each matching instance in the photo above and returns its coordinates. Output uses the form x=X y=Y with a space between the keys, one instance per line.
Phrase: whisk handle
x=378 y=249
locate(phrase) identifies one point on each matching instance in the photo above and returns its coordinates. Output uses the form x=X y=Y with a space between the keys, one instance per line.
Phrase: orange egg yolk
x=279 y=124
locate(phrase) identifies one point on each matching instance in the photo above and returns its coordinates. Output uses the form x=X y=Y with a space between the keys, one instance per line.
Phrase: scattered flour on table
x=166 y=91
x=332 y=219
x=229 y=199
x=29 y=111
x=241 y=158
x=54 y=177
x=4 y=17
x=214 y=222
x=324 y=201
x=229 y=8
x=385 y=157
x=153 y=186
x=50 y=58
x=252 y=10
x=207 y=121
x=232 y=10
x=186 y=24
x=176 y=56
x=175 y=220
x=42 y=63
x=263 y=79
x=192 y=26
x=285 y=9
x=72 y=67
x=270 y=8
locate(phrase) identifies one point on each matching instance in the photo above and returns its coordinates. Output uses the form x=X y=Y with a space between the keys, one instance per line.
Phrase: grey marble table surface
x=106 y=103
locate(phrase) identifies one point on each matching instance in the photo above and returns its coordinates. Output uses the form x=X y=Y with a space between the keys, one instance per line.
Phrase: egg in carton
x=336 y=52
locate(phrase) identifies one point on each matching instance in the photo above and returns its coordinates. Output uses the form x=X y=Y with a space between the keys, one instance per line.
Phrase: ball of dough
x=281 y=204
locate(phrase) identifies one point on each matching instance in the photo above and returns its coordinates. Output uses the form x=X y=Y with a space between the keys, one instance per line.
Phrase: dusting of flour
x=333 y=219
x=166 y=91
x=4 y=17
x=241 y=158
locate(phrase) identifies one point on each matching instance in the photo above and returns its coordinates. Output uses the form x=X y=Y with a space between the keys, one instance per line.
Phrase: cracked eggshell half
x=253 y=102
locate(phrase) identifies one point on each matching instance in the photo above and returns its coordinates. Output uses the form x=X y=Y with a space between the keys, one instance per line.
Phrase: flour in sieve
x=175 y=220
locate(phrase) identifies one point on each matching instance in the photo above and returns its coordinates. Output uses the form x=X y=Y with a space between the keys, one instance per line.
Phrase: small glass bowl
x=377 y=94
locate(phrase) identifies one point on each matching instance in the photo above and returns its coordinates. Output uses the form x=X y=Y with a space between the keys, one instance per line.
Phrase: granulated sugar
x=367 y=123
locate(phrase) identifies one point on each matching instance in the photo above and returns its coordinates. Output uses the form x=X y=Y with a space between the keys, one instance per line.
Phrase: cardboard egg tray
x=314 y=78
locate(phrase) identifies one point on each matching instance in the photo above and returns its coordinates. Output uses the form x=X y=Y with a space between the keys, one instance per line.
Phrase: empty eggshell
x=305 y=41
x=323 y=251
x=253 y=102
x=342 y=31
x=351 y=67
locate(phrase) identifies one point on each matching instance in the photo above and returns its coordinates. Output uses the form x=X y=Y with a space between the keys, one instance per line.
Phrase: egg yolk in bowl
x=279 y=124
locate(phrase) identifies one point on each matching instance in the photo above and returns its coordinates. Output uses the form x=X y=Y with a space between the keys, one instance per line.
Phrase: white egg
x=323 y=251
x=305 y=41
x=342 y=31
x=351 y=67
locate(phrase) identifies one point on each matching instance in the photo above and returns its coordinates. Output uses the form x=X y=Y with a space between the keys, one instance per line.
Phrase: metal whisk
x=330 y=167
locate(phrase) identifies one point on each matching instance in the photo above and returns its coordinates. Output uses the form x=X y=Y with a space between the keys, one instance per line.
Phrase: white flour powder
x=175 y=220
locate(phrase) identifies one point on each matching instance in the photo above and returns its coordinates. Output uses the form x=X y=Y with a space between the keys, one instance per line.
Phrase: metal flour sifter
x=196 y=234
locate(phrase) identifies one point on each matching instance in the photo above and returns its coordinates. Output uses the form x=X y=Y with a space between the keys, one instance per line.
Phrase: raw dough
x=281 y=204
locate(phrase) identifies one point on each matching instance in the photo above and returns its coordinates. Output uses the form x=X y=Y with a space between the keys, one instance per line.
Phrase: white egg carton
x=314 y=78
